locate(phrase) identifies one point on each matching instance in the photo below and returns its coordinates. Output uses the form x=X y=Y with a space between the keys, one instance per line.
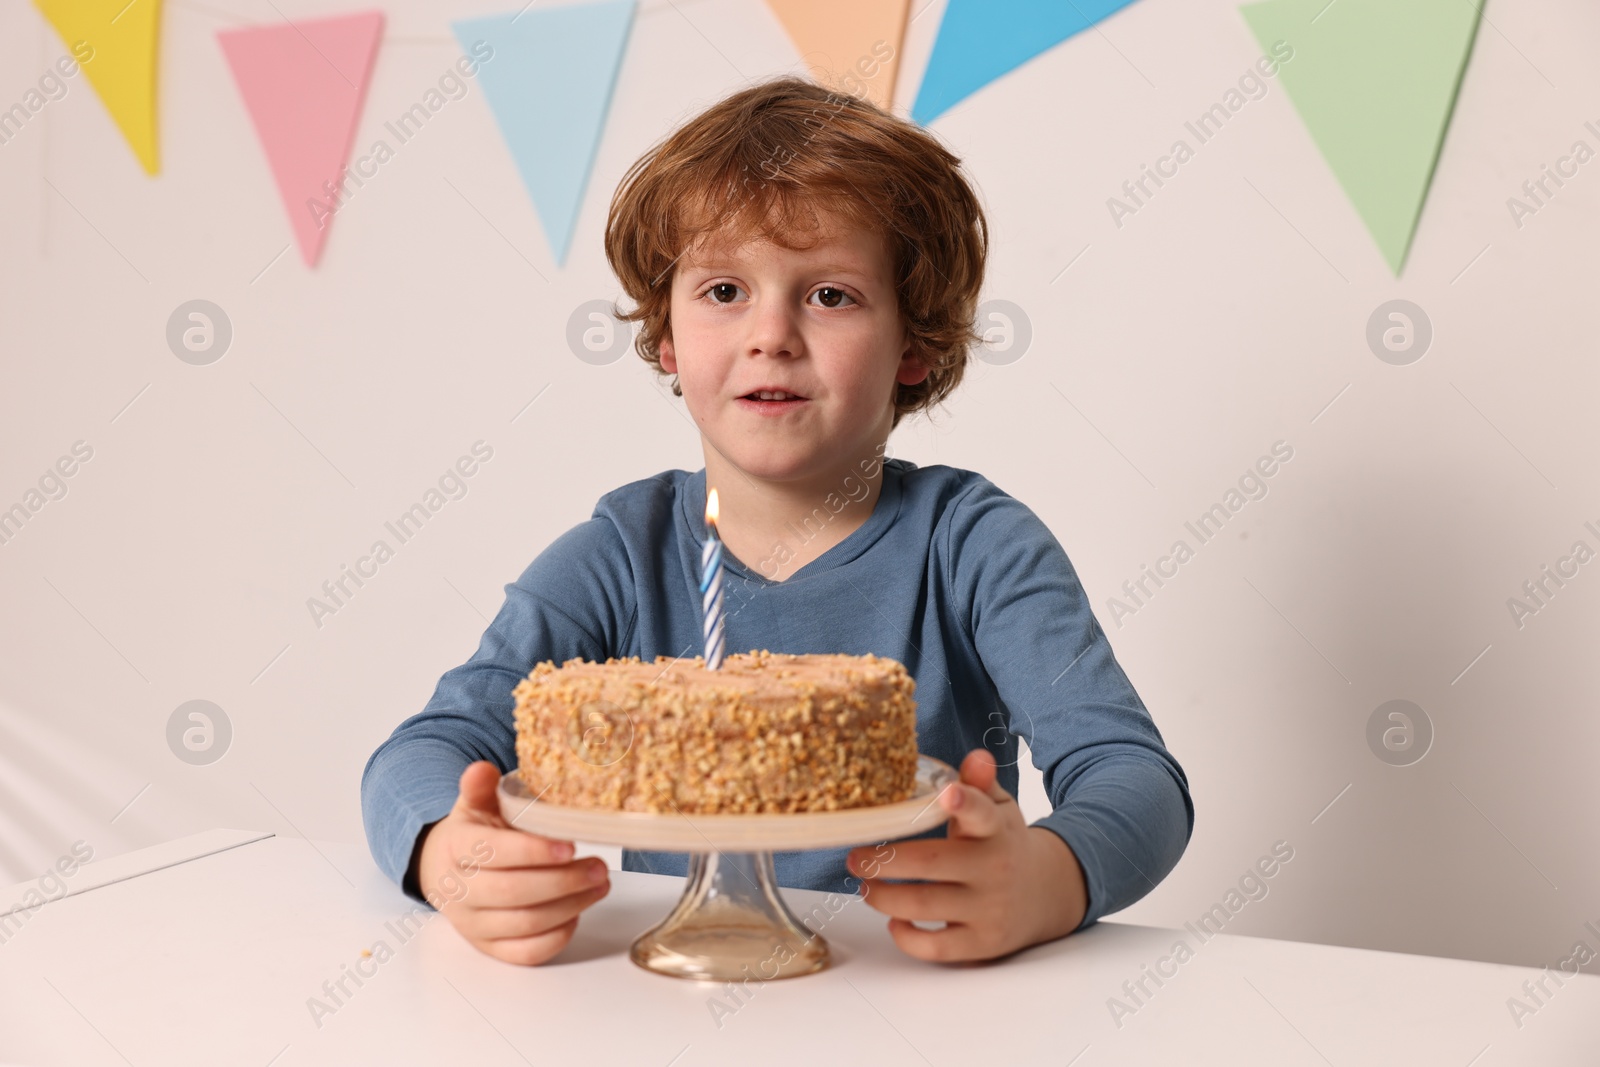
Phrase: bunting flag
x=979 y=40
x=303 y=84
x=852 y=46
x=549 y=88
x=1374 y=82
x=117 y=42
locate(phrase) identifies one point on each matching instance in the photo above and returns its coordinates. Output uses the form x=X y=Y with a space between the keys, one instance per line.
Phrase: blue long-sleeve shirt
x=957 y=580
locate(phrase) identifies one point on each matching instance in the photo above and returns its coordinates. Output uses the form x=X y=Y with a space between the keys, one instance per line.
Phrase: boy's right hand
x=514 y=895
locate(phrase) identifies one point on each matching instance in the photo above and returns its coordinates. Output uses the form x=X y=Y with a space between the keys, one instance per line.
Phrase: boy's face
x=822 y=324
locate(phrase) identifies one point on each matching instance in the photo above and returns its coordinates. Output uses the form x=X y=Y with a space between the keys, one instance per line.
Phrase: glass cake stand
x=731 y=923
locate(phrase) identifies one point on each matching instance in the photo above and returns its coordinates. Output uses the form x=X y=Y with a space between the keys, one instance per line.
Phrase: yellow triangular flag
x=850 y=45
x=122 y=38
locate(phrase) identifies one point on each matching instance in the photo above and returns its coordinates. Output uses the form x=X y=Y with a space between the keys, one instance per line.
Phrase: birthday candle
x=711 y=586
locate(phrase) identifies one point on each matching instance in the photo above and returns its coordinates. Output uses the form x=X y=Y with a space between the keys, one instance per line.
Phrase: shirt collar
x=884 y=513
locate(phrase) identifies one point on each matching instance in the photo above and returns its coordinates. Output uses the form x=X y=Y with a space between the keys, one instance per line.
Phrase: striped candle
x=711 y=587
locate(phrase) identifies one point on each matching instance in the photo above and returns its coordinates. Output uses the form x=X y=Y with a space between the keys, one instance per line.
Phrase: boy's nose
x=775 y=330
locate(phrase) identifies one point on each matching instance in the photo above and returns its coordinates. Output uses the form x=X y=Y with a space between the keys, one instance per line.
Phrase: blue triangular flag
x=549 y=85
x=979 y=40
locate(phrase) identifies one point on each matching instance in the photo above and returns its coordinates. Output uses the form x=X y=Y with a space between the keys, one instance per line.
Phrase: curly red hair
x=768 y=162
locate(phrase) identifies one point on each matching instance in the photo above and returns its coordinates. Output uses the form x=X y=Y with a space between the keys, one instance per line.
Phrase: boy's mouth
x=771 y=401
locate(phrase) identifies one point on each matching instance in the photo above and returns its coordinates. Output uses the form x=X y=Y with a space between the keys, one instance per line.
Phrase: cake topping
x=766 y=732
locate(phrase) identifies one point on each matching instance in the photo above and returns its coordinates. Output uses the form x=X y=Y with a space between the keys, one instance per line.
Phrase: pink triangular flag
x=303 y=84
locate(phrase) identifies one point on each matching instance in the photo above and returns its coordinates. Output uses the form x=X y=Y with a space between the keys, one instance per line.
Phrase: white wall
x=1226 y=315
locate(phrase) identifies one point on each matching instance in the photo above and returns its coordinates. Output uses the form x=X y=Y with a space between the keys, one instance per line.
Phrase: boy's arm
x=1121 y=800
x=574 y=600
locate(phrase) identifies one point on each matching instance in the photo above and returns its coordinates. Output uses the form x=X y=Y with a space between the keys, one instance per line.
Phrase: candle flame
x=711 y=507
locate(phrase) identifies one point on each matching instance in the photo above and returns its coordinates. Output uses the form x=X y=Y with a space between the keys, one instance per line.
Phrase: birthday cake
x=765 y=733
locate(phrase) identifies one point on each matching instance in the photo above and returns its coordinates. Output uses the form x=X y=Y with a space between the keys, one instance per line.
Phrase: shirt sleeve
x=571 y=601
x=1121 y=800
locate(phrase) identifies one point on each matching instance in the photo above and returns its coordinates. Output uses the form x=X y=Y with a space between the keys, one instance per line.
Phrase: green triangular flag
x=1374 y=81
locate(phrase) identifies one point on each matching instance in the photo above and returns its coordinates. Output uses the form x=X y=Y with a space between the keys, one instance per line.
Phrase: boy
x=807 y=266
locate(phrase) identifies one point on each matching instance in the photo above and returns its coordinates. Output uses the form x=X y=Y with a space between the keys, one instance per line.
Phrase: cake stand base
x=730 y=925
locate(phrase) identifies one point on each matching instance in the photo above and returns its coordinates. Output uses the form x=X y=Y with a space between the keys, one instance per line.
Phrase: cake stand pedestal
x=731 y=923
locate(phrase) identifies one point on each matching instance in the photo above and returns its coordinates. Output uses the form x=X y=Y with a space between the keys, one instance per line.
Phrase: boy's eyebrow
x=717 y=266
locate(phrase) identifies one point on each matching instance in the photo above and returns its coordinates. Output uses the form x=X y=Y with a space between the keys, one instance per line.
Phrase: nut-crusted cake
x=764 y=733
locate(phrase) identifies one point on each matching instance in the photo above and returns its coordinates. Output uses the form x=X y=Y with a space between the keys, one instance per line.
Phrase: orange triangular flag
x=303 y=84
x=850 y=45
x=116 y=41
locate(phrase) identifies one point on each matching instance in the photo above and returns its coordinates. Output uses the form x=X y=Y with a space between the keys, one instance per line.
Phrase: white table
x=211 y=958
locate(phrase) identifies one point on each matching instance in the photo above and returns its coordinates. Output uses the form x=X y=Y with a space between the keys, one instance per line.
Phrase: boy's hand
x=999 y=884
x=513 y=894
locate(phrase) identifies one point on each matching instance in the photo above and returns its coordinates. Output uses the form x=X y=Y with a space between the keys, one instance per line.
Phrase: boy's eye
x=727 y=292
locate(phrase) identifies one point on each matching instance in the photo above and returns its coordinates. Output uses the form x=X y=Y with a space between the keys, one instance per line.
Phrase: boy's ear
x=912 y=369
x=669 y=357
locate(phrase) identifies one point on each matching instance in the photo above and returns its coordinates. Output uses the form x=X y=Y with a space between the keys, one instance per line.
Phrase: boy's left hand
x=999 y=884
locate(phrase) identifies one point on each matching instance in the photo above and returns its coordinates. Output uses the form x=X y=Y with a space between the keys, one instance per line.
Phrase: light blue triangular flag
x=979 y=40
x=549 y=85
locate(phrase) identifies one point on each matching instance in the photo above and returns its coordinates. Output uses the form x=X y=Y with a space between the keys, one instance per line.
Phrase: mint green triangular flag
x=1375 y=82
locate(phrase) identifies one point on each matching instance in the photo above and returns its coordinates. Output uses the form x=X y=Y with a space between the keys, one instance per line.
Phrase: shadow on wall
x=56 y=790
x=1451 y=732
